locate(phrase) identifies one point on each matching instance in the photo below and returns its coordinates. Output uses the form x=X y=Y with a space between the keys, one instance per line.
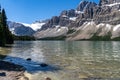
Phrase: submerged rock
x=3 y=74
x=28 y=59
x=43 y=65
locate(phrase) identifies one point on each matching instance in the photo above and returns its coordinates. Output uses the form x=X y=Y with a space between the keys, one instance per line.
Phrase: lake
x=67 y=60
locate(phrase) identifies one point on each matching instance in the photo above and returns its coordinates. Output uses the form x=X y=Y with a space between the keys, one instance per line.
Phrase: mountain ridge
x=87 y=21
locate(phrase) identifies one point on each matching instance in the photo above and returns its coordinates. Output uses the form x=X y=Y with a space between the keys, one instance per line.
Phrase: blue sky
x=28 y=11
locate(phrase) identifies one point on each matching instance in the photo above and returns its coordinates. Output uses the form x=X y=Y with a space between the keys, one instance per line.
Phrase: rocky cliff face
x=108 y=12
x=104 y=2
x=88 y=21
x=68 y=19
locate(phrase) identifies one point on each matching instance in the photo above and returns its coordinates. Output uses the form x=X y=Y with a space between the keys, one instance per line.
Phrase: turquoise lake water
x=67 y=60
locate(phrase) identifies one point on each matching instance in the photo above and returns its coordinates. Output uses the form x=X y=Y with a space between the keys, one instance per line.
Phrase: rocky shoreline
x=11 y=71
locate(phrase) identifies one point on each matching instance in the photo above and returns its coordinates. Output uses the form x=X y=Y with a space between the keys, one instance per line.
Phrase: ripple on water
x=87 y=60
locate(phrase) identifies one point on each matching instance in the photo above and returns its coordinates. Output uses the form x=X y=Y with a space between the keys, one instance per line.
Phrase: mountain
x=19 y=29
x=89 y=21
x=23 y=29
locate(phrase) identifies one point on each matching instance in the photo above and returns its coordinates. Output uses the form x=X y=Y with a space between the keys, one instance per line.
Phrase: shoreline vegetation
x=94 y=38
x=63 y=38
x=24 y=38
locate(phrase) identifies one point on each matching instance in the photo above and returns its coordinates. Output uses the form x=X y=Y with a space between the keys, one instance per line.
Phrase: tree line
x=6 y=36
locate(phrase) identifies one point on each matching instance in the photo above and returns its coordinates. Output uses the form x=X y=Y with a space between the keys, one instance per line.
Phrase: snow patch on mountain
x=110 y=5
x=99 y=25
x=116 y=27
x=79 y=12
x=64 y=16
x=73 y=18
x=34 y=26
x=108 y=26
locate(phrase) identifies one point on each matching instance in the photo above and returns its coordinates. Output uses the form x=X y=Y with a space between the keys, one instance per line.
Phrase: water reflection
x=101 y=49
x=27 y=49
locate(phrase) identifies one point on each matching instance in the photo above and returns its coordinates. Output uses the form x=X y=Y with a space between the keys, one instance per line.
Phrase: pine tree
x=7 y=34
x=2 y=42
